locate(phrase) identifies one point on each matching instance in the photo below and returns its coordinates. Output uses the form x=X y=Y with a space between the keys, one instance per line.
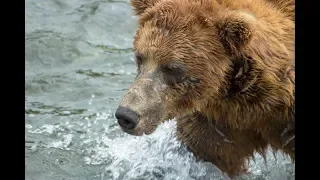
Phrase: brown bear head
x=189 y=54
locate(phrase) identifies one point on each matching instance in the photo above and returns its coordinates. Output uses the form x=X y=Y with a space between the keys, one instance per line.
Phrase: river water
x=79 y=63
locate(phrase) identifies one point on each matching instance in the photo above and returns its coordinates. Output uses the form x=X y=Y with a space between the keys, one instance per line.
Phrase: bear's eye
x=173 y=73
x=174 y=68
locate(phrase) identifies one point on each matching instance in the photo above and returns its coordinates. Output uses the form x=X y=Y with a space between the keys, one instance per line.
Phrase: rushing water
x=79 y=63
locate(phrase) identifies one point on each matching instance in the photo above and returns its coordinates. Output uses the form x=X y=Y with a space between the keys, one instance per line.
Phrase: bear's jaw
x=132 y=132
x=140 y=130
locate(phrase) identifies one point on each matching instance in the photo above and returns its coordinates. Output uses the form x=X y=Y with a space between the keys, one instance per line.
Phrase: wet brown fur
x=242 y=51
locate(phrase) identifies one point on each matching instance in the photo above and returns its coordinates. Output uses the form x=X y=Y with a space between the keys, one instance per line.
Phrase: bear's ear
x=235 y=31
x=141 y=5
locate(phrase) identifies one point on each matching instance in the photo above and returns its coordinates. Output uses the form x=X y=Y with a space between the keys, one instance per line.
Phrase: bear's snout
x=127 y=118
x=143 y=106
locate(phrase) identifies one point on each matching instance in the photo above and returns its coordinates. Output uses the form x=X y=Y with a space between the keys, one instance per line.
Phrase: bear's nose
x=127 y=118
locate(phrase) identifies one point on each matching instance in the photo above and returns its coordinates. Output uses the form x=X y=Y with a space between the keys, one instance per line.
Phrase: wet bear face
x=182 y=50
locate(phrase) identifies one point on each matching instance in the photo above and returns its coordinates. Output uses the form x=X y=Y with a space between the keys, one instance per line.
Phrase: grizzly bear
x=224 y=69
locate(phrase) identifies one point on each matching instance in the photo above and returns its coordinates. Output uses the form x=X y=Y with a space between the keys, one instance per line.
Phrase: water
x=79 y=63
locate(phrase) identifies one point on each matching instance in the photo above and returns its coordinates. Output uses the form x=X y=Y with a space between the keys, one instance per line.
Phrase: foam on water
x=64 y=144
x=161 y=156
x=156 y=156
x=45 y=129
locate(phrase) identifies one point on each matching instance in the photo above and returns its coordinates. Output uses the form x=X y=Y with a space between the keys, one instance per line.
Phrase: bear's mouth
x=138 y=131
x=132 y=132
x=146 y=126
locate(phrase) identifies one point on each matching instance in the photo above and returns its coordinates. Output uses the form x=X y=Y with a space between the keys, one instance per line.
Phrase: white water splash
x=161 y=156
x=156 y=156
x=45 y=129
x=64 y=143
